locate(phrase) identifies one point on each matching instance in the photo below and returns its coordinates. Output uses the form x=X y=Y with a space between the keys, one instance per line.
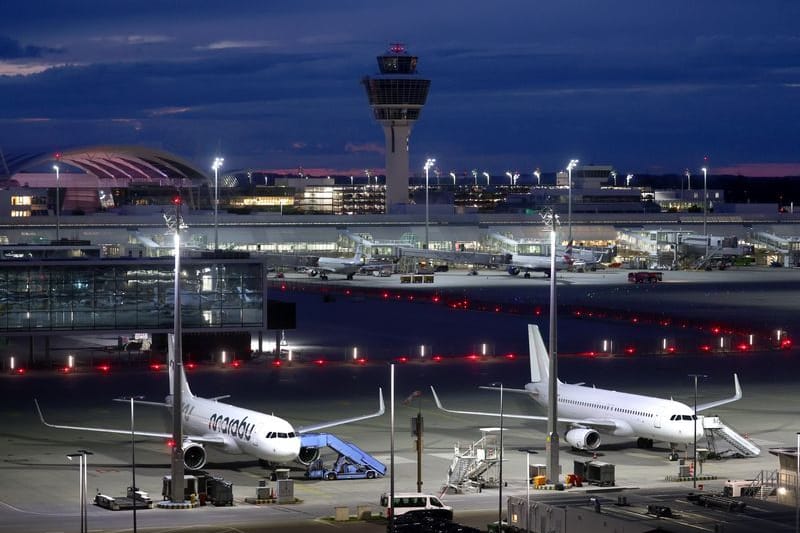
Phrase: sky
x=646 y=86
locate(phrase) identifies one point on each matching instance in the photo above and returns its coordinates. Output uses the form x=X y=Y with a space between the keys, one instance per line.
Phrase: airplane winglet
x=41 y=416
x=737 y=395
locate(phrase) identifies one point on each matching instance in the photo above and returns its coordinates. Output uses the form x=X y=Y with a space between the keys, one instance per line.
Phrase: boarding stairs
x=472 y=464
x=765 y=484
x=348 y=452
x=733 y=443
x=704 y=260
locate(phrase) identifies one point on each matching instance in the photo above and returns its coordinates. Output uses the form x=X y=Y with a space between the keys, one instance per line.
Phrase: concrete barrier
x=341 y=514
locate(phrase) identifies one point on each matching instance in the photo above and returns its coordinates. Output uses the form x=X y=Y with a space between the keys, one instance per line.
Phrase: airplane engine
x=308 y=455
x=513 y=270
x=583 y=438
x=312 y=273
x=194 y=455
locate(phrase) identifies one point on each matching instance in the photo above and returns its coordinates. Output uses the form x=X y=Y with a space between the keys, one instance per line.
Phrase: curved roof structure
x=121 y=165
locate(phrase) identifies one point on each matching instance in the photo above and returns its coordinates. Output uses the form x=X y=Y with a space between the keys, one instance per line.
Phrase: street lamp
x=486 y=175
x=538 y=174
x=688 y=179
x=453 y=175
x=614 y=177
x=572 y=164
x=428 y=164
x=475 y=176
x=216 y=166
x=510 y=178
x=628 y=179
x=58 y=207
x=694 y=453
x=500 y=476
x=134 y=490
x=705 y=207
x=83 y=463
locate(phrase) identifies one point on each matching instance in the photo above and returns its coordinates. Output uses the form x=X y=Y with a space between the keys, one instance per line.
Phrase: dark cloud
x=12 y=49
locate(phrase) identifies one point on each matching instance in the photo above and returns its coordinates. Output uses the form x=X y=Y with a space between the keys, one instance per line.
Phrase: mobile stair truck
x=352 y=462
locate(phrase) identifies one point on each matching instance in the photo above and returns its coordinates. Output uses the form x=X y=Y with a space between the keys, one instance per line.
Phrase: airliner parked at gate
x=589 y=411
x=335 y=265
x=234 y=430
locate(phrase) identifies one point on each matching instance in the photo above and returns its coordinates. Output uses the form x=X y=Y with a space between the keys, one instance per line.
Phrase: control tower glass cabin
x=396 y=96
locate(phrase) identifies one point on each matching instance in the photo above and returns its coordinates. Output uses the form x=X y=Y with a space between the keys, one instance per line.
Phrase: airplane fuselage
x=633 y=415
x=264 y=436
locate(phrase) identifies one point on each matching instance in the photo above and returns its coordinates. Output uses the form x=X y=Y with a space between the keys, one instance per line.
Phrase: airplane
x=588 y=411
x=535 y=263
x=335 y=265
x=233 y=430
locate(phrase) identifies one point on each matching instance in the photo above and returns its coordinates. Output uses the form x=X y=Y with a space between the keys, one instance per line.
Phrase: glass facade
x=129 y=295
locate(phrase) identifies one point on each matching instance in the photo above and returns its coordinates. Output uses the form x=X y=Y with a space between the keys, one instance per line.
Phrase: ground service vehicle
x=645 y=277
x=405 y=502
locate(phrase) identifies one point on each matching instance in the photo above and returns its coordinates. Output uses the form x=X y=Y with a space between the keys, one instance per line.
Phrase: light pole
x=694 y=452
x=628 y=179
x=475 y=176
x=552 y=443
x=83 y=467
x=428 y=164
x=572 y=164
x=510 y=178
x=133 y=459
x=614 y=177
x=58 y=207
x=688 y=180
x=217 y=164
x=486 y=175
x=500 y=476
x=453 y=175
x=538 y=174
x=705 y=208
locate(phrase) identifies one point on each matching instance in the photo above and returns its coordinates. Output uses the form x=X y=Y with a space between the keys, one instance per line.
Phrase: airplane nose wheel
x=673 y=456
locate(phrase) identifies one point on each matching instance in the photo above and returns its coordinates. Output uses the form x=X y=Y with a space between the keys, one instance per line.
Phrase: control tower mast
x=396 y=96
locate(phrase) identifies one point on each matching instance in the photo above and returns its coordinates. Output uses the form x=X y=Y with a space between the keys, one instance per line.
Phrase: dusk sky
x=645 y=86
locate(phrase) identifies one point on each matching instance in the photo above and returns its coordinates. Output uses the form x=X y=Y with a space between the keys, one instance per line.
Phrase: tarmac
x=38 y=489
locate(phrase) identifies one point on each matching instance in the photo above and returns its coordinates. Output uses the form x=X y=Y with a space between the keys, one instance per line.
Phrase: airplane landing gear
x=350 y=276
x=527 y=275
x=644 y=443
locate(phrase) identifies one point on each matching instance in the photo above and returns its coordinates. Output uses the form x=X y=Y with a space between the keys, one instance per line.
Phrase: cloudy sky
x=645 y=85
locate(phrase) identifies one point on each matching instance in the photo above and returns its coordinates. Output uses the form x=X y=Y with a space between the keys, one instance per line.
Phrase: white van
x=415 y=501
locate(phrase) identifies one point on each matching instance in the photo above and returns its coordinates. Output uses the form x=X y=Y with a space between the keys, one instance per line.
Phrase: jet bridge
x=352 y=462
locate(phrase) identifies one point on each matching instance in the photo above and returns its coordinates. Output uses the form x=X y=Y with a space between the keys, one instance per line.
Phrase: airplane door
x=657 y=421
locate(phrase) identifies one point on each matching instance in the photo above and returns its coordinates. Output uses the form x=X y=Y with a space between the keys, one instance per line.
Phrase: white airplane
x=536 y=263
x=335 y=265
x=234 y=430
x=588 y=411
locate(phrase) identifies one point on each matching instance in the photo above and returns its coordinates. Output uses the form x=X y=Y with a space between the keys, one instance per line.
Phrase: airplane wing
x=205 y=439
x=737 y=395
x=323 y=425
x=602 y=424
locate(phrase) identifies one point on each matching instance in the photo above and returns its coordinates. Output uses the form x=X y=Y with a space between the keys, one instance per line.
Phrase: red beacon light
x=191 y=366
x=171 y=443
x=156 y=367
x=472 y=357
x=361 y=361
x=277 y=363
x=630 y=350
x=402 y=359
x=671 y=349
x=743 y=347
x=104 y=368
x=436 y=299
x=319 y=362
x=20 y=371
x=437 y=358
x=511 y=356
x=236 y=363
x=705 y=348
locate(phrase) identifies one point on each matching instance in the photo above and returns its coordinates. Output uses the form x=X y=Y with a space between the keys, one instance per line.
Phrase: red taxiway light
x=671 y=349
x=511 y=356
x=319 y=362
x=402 y=359
x=437 y=358
x=743 y=347
x=715 y=330
x=235 y=363
x=705 y=348
x=472 y=357
x=64 y=369
x=436 y=299
x=19 y=371
x=277 y=363
x=361 y=361
x=630 y=350
x=191 y=366
x=104 y=368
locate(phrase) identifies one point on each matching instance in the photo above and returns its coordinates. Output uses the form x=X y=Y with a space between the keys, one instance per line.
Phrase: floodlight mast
x=175 y=225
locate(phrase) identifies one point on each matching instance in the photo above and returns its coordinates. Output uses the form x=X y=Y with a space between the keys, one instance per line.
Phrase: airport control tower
x=396 y=96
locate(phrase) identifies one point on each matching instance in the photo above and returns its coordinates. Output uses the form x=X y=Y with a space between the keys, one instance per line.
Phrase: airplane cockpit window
x=292 y=434
x=282 y=435
x=687 y=417
x=271 y=435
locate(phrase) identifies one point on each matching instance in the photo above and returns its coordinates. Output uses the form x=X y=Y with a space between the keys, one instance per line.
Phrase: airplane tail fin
x=540 y=360
x=171 y=365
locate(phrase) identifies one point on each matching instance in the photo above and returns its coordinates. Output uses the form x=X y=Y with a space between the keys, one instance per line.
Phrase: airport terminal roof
x=118 y=165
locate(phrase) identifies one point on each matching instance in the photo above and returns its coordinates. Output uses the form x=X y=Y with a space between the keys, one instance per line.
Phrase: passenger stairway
x=715 y=429
x=471 y=467
x=346 y=450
